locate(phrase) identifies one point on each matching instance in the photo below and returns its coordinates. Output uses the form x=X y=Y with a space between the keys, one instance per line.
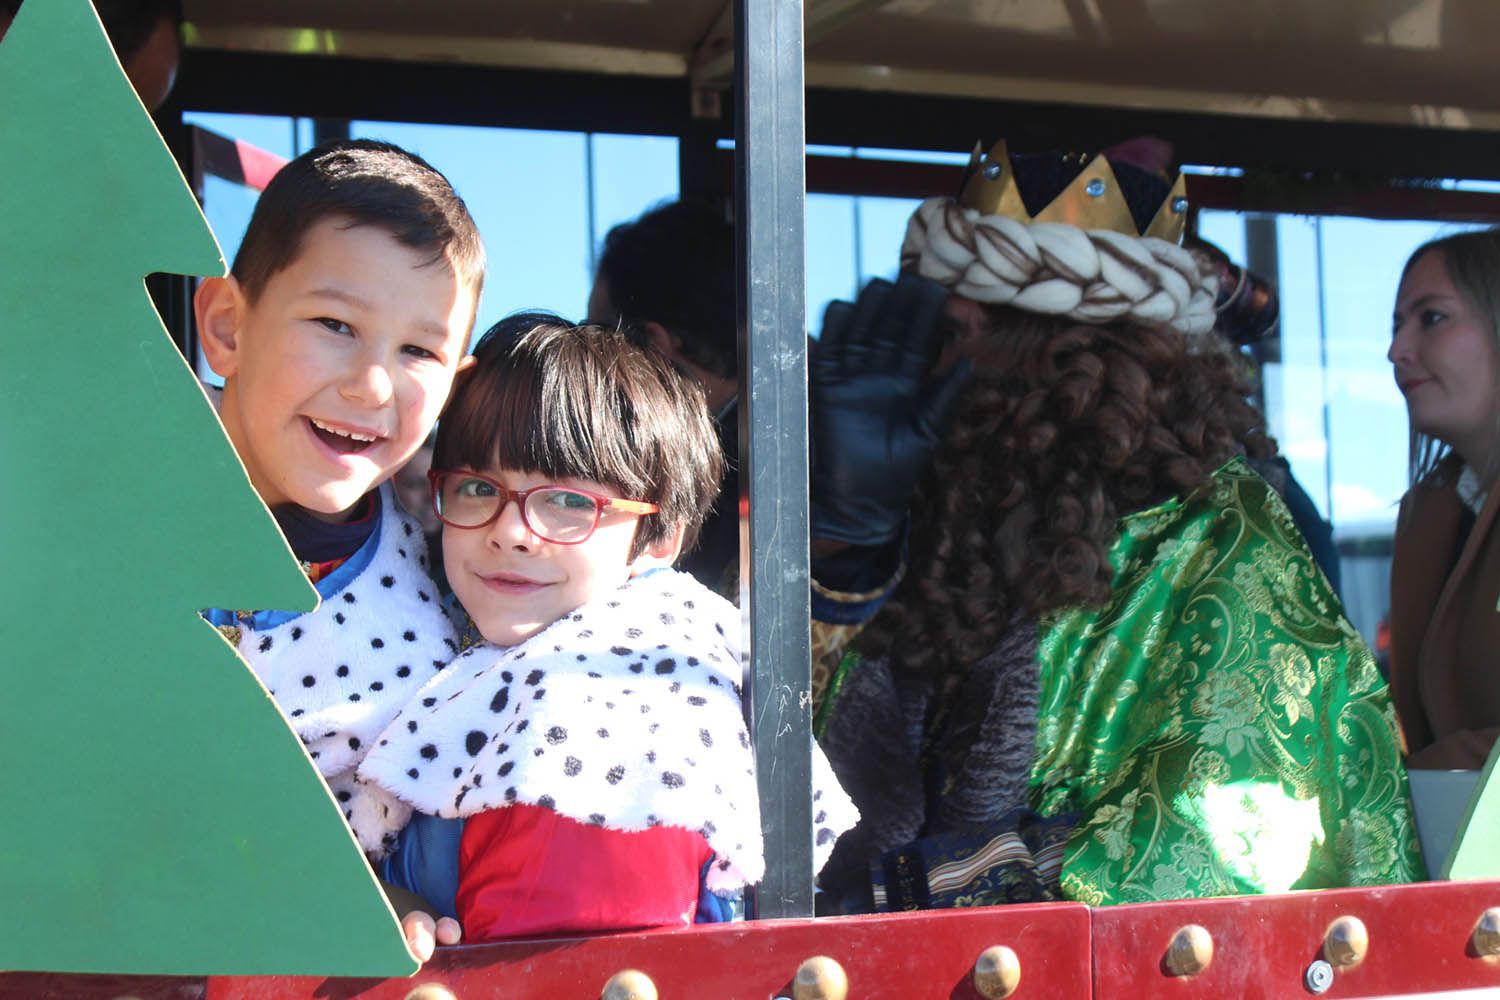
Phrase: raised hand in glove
x=878 y=411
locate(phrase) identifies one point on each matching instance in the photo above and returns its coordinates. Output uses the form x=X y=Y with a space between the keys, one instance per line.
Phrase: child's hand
x=423 y=934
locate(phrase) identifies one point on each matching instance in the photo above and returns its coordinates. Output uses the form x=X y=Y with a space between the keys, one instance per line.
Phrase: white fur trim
x=625 y=714
x=342 y=671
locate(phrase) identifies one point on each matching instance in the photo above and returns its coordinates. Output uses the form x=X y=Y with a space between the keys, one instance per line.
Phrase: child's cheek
x=424 y=402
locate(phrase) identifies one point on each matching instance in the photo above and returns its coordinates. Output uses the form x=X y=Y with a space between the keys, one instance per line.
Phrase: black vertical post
x=1262 y=257
x=591 y=207
x=324 y=129
x=770 y=186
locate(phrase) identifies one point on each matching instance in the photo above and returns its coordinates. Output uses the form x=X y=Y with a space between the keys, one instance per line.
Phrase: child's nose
x=510 y=528
x=370 y=384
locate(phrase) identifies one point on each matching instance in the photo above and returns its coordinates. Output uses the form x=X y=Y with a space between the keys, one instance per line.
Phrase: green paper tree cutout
x=1476 y=849
x=160 y=815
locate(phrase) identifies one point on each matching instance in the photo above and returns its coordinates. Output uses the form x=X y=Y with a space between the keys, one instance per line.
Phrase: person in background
x=1111 y=671
x=146 y=35
x=1445 y=565
x=667 y=278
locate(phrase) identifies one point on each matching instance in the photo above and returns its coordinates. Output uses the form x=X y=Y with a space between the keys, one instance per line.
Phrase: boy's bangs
x=559 y=420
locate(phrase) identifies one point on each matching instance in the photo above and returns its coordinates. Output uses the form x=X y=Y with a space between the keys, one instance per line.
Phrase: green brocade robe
x=1219 y=727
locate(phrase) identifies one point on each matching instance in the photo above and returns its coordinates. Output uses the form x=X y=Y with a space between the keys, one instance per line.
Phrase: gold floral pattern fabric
x=1219 y=727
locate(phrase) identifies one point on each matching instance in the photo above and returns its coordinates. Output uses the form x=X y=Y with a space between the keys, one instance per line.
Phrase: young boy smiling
x=345 y=318
x=338 y=335
x=587 y=767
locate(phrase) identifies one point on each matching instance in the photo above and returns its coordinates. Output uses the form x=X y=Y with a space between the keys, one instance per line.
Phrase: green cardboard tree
x=1476 y=849
x=159 y=814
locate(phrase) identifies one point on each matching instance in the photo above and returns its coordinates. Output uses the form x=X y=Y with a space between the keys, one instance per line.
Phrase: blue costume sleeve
x=1317 y=532
x=713 y=909
x=425 y=861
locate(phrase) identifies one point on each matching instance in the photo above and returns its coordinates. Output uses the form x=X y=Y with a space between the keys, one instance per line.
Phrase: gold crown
x=1092 y=201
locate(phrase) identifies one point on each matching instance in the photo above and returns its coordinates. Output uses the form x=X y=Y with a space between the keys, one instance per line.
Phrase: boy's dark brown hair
x=575 y=401
x=369 y=183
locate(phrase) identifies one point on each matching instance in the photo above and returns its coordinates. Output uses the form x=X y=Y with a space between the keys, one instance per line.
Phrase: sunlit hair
x=1472 y=260
x=574 y=401
x=361 y=182
x=1063 y=429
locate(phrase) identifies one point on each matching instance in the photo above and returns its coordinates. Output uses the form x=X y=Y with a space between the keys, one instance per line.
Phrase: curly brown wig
x=1063 y=428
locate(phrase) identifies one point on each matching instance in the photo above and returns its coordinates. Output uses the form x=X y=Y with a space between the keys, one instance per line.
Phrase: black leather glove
x=877 y=417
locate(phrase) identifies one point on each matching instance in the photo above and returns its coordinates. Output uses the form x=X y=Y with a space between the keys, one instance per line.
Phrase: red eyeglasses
x=559 y=514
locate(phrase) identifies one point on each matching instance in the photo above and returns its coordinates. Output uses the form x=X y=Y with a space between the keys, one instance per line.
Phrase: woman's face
x=1443 y=354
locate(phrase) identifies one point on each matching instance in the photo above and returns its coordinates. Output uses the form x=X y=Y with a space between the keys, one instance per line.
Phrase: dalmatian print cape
x=342 y=671
x=624 y=714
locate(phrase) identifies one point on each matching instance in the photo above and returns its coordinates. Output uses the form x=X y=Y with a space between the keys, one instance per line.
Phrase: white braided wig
x=1093 y=276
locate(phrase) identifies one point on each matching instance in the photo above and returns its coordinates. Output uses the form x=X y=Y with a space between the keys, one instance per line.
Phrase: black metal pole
x=769 y=195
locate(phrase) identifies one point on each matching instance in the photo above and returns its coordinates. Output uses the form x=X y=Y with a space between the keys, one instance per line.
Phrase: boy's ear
x=662 y=339
x=460 y=375
x=219 y=305
x=659 y=554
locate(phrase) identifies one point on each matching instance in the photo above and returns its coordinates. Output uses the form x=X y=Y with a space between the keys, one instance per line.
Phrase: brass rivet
x=1487 y=933
x=629 y=984
x=997 y=972
x=1191 y=951
x=820 y=978
x=1346 y=942
x=430 y=991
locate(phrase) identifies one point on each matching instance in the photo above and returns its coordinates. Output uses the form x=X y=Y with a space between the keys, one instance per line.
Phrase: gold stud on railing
x=1487 y=933
x=629 y=984
x=430 y=991
x=820 y=978
x=1346 y=942
x=1191 y=951
x=997 y=972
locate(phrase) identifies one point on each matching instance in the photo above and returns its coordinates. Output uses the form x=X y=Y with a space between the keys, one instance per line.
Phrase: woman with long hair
x=1112 y=671
x=1445 y=571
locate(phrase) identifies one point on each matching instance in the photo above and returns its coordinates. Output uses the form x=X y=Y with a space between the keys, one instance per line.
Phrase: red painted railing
x=1420 y=941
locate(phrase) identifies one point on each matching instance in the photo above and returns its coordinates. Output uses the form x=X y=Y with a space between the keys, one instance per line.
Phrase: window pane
x=631 y=174
x=829 y=237
x=528 y=194
x=274 y=134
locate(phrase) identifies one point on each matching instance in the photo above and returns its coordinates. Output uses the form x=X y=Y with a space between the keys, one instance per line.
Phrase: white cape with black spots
x=624 y=714
x=343 y=671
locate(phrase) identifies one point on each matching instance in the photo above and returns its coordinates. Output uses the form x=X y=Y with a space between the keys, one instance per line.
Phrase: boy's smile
x=513 y=584
x=337 y=370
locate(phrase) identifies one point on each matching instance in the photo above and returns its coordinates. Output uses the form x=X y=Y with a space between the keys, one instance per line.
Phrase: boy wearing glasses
x=586 y=768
